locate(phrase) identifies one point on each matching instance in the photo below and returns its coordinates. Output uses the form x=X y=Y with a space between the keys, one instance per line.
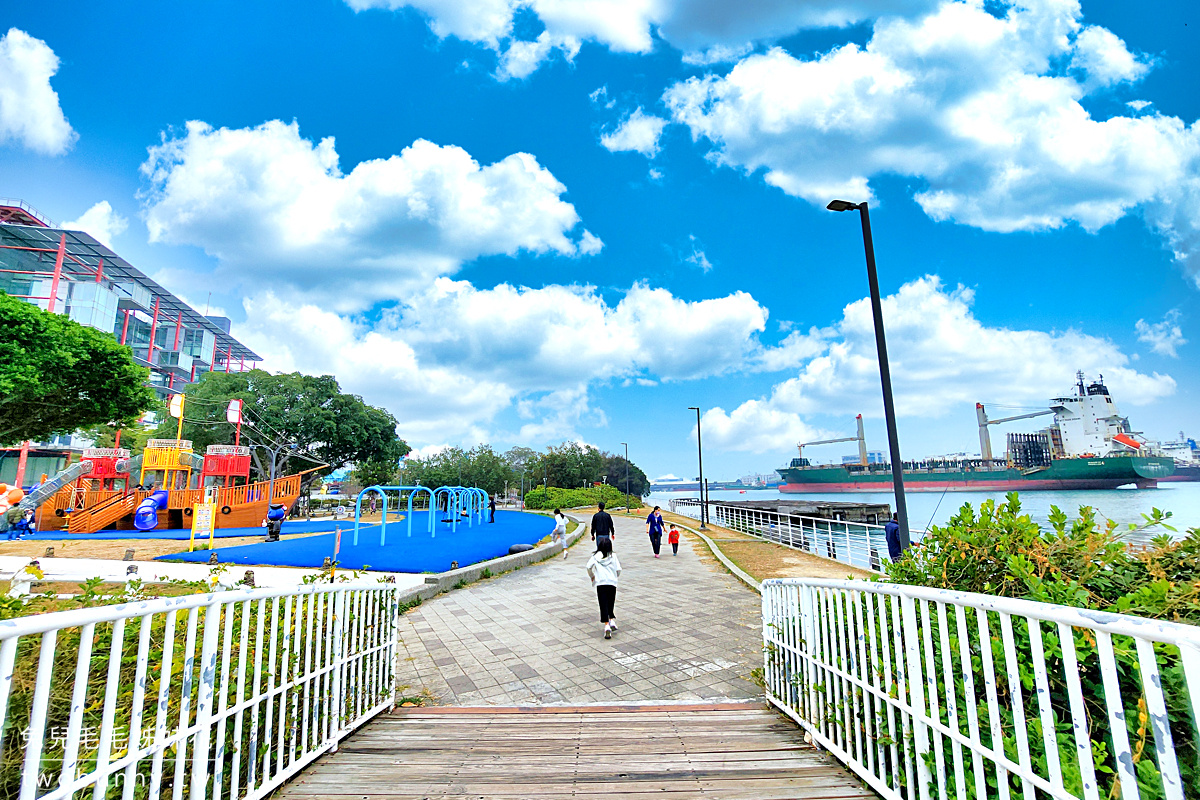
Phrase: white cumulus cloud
x=29 y=110
x=275 y=207
x=101 y=222
x=1165 y=337
x=709 y=31
x=638 y=132
x=981 y=102
x=941 y=357
x=453 y=357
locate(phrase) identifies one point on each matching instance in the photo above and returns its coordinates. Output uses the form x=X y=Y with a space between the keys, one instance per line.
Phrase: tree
x=57 y=376
x=308 y=411
x=614 y=472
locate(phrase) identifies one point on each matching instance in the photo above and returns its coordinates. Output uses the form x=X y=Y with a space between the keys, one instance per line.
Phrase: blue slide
x=146 y=516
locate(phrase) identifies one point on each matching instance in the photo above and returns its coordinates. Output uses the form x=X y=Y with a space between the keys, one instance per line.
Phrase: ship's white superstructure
x=1088 y=423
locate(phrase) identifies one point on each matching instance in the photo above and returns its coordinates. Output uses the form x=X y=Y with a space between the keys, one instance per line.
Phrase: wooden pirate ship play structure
x=104 y=488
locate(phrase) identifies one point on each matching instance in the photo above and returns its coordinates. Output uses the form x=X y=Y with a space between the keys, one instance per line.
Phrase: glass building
x=69 y=272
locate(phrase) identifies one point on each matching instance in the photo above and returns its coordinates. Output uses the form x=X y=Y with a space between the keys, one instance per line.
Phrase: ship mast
x=860 y=438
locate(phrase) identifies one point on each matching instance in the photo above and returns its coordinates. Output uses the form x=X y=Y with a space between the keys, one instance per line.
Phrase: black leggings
x=607 y=595
x=675 y=548
x=656 y=541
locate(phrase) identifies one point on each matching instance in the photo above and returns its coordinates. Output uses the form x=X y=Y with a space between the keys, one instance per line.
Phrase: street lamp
x=626 y=444
x=700 y=453
x=889 y=410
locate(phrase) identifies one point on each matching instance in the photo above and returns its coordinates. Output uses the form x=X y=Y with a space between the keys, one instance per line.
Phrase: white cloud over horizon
x=272 y=206
x=448 y=362
x=101 y=222
x=708 y=31
x=1165 y=337
x=639 y=132
x=978 y=106
x=30 y=114
x=941 y=357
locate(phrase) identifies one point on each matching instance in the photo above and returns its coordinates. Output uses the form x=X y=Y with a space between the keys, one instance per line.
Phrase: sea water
x=925 y=509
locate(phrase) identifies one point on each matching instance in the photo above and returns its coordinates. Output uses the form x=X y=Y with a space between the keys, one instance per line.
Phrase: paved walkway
x=689 y=631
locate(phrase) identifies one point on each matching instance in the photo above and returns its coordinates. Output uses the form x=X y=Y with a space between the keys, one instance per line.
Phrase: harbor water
x=936 y=508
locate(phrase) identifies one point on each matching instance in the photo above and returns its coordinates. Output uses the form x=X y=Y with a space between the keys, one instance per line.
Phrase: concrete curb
x=440 y=582
x=738 y=572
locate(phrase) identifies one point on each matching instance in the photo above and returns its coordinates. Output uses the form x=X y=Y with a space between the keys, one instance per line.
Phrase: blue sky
x=524 y=221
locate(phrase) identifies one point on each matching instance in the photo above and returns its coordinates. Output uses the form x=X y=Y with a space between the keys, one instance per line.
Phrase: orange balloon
x=14 y=495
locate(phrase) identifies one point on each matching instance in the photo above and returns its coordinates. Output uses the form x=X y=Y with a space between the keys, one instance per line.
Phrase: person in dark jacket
x=492 y=508
x=602 y=525
x=891 y=532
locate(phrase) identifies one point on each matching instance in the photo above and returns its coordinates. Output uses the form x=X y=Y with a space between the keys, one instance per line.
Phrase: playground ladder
x=103 y=514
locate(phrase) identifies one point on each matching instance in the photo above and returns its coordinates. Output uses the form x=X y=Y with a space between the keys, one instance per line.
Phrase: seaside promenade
x=527 y=699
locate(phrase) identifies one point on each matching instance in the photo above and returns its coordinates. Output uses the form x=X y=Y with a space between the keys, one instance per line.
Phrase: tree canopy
x=57 y=376
x=567 y=466
x=311 y=412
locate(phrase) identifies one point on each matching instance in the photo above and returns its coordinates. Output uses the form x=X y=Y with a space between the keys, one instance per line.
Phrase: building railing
x=928 y=693
x=117 y=701
x=858 y=544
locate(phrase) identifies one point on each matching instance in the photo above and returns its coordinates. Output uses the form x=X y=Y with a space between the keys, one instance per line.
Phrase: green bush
x=575 y=498
x=1081 y=563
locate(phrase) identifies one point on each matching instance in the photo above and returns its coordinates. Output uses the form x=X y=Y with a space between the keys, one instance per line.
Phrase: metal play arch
x=382 y=490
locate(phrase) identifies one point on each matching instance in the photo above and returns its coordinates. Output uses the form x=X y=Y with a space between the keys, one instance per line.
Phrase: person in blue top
x=891 y=532
x=654 y=527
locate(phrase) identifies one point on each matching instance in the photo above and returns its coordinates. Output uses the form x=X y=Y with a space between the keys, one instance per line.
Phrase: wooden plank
x=722 y=751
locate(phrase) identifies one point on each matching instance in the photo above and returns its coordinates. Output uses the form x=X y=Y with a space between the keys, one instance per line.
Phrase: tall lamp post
x=885 y=376
x=700 y=454
x=626 y=477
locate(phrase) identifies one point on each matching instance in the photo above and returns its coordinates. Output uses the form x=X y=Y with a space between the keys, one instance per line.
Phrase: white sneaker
x=607 y=633
x=613 y=625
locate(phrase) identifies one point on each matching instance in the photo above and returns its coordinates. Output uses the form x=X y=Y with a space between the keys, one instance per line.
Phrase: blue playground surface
x=401 y=553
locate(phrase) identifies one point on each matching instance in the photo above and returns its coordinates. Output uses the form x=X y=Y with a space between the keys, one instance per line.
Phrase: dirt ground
x=143 y=549
x=762 y=560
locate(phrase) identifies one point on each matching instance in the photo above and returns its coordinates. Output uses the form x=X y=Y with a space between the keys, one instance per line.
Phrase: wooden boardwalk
x=731 y=751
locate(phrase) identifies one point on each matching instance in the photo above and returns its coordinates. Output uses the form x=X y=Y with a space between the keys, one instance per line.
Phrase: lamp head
x=841 y=205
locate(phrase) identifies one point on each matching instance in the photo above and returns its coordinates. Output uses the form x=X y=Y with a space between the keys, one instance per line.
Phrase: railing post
x=916 y=692
x=337 y=700
x=207 y=674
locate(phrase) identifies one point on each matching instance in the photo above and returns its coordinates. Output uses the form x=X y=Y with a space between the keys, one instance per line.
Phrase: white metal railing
x=858 y=544
x=116 y=701
x=931 y=693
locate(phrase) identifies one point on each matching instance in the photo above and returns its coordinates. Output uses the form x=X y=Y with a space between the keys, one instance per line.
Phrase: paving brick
x=688 y=631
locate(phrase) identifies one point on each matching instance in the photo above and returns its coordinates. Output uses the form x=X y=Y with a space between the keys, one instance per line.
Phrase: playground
x=421 y=552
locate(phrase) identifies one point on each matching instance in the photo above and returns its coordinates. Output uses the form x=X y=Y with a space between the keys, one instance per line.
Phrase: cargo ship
x=1089 y=445
x=1187 y=458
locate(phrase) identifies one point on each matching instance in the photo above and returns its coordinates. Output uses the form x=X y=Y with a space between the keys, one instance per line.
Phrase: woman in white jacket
x=604 y=569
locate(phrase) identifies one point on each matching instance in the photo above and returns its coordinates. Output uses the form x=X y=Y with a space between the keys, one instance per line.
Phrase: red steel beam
x=62 y=251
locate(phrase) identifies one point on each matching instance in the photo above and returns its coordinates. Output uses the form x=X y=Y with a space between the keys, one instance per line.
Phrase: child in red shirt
x=673 y=539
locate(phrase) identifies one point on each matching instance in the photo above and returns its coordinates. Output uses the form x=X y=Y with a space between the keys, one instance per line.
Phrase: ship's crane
x=860 y=438
x=985 y=440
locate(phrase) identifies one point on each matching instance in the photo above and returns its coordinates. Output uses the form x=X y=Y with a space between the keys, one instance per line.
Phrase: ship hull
x=1188 y=473
x=1063 y=474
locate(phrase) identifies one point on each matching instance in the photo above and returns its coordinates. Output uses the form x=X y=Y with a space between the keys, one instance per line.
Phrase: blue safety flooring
x=400 y=553
x=289 y=527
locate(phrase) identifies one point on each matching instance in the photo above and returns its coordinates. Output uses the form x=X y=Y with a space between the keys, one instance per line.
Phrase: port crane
x=985 y=439
x=860 y=438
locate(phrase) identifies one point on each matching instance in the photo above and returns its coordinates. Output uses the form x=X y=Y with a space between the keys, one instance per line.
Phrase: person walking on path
x=602 y=526
x=654 y=527
x=604 y=569
x=891 y=532
x=673 y=539
x=560 y=530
